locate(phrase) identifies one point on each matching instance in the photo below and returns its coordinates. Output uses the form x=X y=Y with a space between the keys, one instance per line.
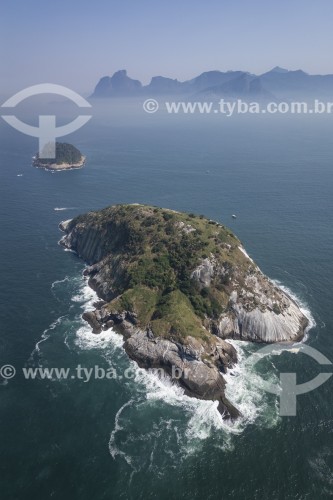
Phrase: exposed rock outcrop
x=258 y=310
x=195 y=367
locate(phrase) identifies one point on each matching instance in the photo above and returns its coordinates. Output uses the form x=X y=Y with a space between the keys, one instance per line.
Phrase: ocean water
x=142 y=438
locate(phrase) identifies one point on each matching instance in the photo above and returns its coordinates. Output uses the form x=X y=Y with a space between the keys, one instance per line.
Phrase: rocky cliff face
x=177 y=287
x=258 y=310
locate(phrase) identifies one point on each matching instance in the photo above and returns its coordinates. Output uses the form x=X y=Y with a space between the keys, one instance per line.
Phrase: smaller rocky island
x=67 y=158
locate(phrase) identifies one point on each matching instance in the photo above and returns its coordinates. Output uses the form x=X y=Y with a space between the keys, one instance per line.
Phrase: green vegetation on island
x=156 y=252
x=66 y=156
x=176 y=286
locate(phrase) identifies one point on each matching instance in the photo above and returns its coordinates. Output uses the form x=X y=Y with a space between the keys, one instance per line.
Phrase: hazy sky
x=74 y=43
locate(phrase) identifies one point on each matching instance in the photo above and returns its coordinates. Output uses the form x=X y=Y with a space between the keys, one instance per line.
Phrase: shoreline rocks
x=38 y=163
x=198 y=371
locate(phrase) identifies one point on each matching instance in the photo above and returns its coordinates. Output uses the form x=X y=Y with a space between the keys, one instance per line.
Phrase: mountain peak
x=117 y=85
x=278 y=69
x=122 y=73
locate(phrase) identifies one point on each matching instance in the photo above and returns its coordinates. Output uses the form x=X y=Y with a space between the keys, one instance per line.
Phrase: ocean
x=141 y=438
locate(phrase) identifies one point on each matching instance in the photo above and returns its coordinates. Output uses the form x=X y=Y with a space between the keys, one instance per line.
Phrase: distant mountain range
x=279 y=83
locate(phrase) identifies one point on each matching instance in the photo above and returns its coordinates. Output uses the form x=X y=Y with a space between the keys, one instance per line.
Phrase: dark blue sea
x=141 y=438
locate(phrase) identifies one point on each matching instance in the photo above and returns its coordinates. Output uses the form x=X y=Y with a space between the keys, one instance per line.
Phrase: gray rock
x=90 y=317
x=267 y=314
x=204 y=273
x=199 y=379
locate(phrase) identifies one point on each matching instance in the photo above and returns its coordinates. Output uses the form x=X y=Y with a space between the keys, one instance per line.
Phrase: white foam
x=57 y=282
x=45 y=336
x=107 y=339
x=243 y=386
x=86 y=297
x=61 y=209
x=200 y=417
x=204 y=415
x=113 y=449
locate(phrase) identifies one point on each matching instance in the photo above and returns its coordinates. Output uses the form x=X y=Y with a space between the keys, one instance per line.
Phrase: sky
x=74 y=43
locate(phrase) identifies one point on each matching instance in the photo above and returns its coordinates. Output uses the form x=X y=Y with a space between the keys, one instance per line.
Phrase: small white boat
x=234 y=216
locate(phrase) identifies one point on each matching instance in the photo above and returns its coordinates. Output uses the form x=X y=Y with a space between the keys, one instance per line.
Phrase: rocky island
x=177 y=286
x=67 y=158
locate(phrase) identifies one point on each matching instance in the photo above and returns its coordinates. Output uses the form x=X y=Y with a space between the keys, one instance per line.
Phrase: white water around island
x=189 y=421
x=199 y=418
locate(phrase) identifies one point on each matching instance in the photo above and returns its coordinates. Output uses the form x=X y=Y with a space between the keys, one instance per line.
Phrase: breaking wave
x=169 y=422
x=62 y=209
